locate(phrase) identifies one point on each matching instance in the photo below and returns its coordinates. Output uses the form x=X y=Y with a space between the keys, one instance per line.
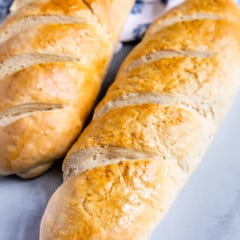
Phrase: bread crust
x=110 y=200
x=53 y=58
x=187 y=62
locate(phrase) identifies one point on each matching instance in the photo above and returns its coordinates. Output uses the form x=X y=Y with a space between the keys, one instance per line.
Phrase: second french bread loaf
x=152 y=128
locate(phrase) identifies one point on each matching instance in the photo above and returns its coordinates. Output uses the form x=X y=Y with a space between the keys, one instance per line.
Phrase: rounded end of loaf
x=36 y=140
x=35 y=172
x=118 y=201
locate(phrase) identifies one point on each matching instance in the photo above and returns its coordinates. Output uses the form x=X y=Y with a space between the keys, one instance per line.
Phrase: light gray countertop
x=208 y=208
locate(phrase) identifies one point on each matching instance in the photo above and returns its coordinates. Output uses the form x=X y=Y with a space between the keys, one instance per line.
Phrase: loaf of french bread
x=152 y=128
x=53 y=58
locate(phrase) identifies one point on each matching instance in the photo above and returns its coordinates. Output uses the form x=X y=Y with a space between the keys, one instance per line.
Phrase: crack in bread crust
x=204 y=108
x=156 y=56
x=18 y=62
x=11 y=29
x=85 y=159
x=184 y=18
x=15 y=113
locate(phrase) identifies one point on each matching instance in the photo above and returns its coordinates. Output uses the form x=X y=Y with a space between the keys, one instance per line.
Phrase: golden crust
x=75 y=40
x=161 y=77
x=119 y=201
x=72 y=33
x=194 y=77
x=62 y=83
x=74 y=8
x=69 y=86
x=26 y=136
x=148 y=128
x=126 y=200
x=96 y=12
x=207 y=35
x=223 y=8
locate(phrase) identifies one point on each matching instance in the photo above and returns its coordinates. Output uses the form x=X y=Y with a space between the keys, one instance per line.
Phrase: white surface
x=208 y=208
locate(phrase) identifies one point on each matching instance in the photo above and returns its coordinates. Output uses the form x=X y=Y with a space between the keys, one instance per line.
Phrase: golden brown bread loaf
x=53 y=57
x=152 y=128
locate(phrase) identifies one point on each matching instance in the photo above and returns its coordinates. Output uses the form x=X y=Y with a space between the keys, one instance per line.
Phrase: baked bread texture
x=152 y=128
x=53 y=58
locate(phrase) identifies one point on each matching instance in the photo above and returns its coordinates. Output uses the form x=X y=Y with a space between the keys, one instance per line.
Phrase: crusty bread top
x=196 y=10
x=97 y=12
x=102 y=203
x=202 y=65
x=152 y=128
x=149 y=131
x=53 y=56
x=182 y=73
